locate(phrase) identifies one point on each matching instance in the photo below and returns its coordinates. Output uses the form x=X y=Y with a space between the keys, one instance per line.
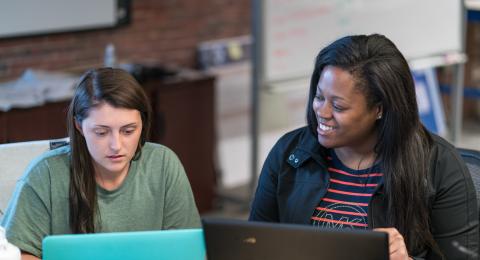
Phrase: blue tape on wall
x=473 y=15
x=468 y=92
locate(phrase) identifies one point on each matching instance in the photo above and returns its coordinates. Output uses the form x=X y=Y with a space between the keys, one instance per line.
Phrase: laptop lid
x=166 y=244
x=236 y=239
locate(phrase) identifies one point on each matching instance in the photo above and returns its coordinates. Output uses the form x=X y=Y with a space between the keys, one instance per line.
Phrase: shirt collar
x=308 y=147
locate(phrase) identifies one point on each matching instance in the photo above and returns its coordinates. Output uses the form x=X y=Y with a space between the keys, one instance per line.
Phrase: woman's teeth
x=325 y=127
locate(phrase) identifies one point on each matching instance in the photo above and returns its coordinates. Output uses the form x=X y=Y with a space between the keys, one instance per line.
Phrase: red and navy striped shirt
x=345 y=205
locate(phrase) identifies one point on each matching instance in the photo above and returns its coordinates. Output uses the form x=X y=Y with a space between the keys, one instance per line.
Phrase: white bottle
x=109 y=58
x=7 y=250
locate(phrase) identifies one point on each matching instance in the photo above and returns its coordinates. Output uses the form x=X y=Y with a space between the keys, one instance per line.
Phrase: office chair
x=472 y=160
x=14 y=160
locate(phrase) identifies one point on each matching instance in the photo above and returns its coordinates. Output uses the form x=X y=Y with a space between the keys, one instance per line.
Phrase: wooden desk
x=183 y=120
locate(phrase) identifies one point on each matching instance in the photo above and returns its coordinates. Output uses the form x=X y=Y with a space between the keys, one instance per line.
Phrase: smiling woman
x=365 y=161
x=108 y=179
x=343 y=116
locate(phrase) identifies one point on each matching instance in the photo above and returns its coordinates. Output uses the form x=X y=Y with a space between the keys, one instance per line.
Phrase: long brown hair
x=119 y=89
x=404 y=145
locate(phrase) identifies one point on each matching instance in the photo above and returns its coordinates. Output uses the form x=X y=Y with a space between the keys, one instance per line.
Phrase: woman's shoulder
x=58 y=155
x=444 y=149
x=446 y=159
x=441 y=142
x=296 y=147
x=156 y=148
x=159 y=163
x=53 y=162
x=158 y=153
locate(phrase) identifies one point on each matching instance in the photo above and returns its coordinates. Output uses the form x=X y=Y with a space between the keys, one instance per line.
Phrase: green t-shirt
x=155 y=195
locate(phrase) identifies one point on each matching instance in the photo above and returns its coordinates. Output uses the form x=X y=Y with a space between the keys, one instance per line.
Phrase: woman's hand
x=28 y=256
x=396 y=245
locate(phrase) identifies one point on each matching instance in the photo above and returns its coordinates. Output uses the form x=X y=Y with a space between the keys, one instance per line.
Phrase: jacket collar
x=307 y=147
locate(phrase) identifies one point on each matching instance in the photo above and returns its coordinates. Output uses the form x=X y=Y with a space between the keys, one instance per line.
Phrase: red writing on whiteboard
x=301 y=14
x=291 y=33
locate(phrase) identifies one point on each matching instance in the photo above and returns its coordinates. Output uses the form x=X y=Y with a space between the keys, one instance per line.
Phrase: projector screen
x=33 y=17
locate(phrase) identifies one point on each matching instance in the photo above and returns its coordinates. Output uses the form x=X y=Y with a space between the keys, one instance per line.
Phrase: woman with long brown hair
x=108 y=179
x=365 y=160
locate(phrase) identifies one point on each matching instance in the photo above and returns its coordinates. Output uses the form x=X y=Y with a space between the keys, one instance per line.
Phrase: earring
x=379 y=116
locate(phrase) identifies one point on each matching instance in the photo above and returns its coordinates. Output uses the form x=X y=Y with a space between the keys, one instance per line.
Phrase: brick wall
x=165 y=31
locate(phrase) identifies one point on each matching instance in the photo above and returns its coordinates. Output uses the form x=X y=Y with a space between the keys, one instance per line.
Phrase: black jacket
x=294 y=178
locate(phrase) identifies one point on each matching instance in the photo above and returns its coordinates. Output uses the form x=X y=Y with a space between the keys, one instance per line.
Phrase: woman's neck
x=357 y=159
x=110 y=180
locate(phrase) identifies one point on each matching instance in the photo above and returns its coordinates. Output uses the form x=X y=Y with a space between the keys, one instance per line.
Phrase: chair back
x=472 y=160
x=14 y=160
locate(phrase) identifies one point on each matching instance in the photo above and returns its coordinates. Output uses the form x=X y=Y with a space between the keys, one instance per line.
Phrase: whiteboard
x=33 y=17
x=295 y=31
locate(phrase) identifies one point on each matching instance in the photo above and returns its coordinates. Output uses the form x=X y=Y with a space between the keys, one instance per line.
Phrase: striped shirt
x=345 y=205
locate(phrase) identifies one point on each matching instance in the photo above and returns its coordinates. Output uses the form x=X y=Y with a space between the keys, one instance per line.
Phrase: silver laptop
x=237 y=239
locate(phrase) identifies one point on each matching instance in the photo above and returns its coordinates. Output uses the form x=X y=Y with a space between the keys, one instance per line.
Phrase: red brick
x=165 y=31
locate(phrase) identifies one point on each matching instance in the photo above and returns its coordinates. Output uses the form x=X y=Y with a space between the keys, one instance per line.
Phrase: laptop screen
x=166 y=244
x=237 y=239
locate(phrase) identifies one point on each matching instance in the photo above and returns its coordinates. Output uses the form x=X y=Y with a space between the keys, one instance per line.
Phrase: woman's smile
x=324 y=129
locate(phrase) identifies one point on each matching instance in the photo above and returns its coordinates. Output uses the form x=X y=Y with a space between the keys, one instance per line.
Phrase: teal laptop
x=165 y=244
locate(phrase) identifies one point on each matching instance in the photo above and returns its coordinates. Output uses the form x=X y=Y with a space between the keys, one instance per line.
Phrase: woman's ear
x=78 y=127
x=379 y=112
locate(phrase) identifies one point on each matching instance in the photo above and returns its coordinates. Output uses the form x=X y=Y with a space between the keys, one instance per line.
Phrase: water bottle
x=109 y=58
x=7 y=250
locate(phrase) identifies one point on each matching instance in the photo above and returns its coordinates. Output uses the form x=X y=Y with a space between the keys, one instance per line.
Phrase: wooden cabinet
x=37 y=123
x=3 y=128
x=183 y=120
